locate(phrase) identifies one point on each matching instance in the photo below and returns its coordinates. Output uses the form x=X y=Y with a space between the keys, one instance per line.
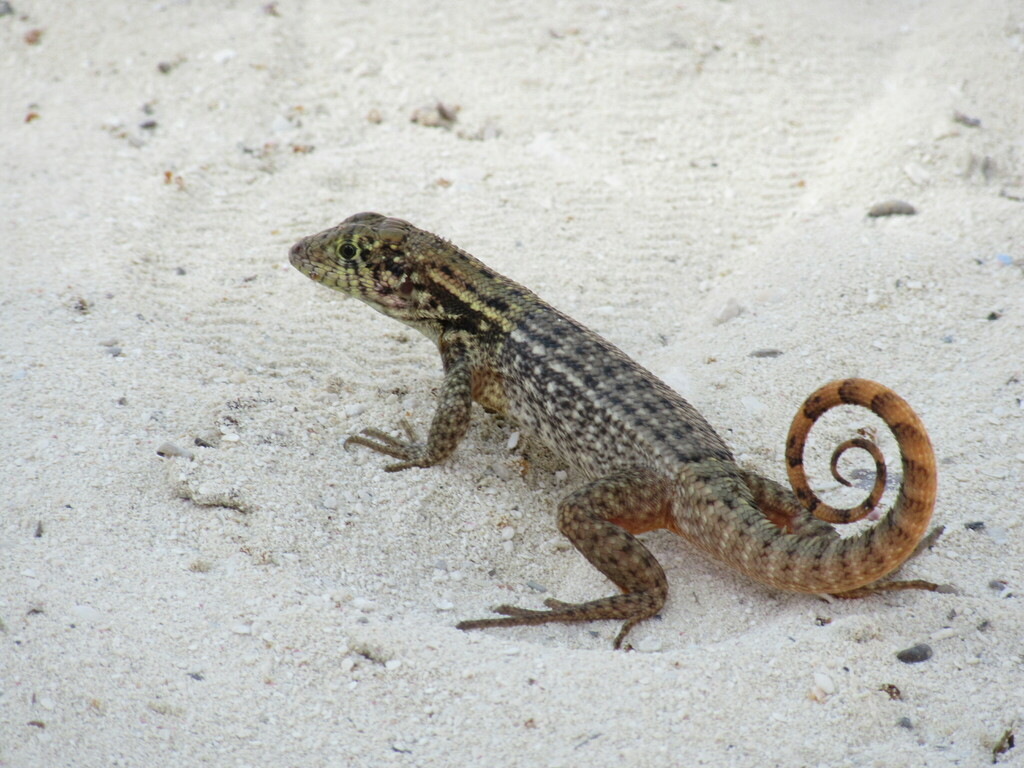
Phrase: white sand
x=280 y=601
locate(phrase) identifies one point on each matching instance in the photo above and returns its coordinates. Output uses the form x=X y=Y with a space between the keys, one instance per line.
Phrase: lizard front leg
x=451 y=420
x=600 y=520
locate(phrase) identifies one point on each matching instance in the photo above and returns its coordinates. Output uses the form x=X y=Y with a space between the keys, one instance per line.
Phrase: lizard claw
x=512 y=610
x=557 y=605
x=410 y=451
x=516 y=616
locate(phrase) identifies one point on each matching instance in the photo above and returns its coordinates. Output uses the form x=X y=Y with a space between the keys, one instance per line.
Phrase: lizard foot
x=633 y=607
x=411 y=452
x=893 y=586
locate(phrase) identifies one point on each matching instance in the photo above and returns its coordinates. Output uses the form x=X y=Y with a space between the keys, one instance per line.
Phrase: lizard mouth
x=300 y=258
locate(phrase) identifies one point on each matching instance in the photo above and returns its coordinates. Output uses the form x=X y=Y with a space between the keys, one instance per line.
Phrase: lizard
x=649 y=458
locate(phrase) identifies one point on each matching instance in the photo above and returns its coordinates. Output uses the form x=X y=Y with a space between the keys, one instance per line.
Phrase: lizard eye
x=348 y=251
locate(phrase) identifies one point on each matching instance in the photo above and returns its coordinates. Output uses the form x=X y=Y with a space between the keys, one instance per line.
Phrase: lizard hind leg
x=600 y=520
x=782 y=508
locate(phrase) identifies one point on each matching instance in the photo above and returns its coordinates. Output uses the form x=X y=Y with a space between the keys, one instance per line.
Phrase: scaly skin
x=649 y=458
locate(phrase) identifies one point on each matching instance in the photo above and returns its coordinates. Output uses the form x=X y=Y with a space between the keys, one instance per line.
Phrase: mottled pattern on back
x=594 y=406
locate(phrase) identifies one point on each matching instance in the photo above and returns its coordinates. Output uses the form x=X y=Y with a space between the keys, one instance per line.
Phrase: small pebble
x=917 y=174
x=915 y=654
x=904 y=722
x=208 y=438
x=766 y=353
x=977 y=525
x=502 y=471
x=222 y=57
x=85 y=613
x=649 y=644
x=513 y=441
x=731 y=310
x=1004 y=259
x=354 y=409
x=536 y=586
x=240 y=628
x=166 y=450
x=364 y=605
x=891 y=208
x=970 y=122
x=824 y=682
x=439 y=115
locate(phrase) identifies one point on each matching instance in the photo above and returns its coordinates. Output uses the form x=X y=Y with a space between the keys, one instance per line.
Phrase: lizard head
x=368 y=256
x=406 y=273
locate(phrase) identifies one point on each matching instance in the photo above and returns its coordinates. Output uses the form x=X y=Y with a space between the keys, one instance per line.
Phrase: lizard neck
x=455 y=292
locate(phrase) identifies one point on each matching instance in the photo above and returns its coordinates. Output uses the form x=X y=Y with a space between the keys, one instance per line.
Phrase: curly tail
x=889 y=543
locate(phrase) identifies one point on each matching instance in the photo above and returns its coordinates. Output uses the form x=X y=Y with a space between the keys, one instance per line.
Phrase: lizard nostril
x=295 y=252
